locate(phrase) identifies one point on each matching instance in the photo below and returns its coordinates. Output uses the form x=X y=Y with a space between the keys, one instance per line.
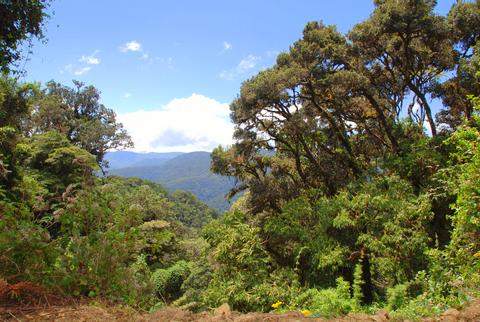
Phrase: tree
x=407 y=40
x=292 y=111
x=329 y=117
x=20 y=20
x=462 y=19
x=190 y=211
x=15 y=102
x=366 y=223
x=57 y=163
x=78 y=114
x=325 y=116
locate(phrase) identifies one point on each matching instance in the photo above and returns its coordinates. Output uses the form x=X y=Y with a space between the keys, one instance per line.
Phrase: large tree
x=409 y=43
x=20 y=21
x=78 y=114
x=332 y=106
x=463 y=21
x=337 y=109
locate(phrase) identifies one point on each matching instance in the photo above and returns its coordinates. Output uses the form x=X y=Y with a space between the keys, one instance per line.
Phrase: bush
x=26 y=250
x=243 y=295
x=168 y=282
x=330 y=302
x=397 y=296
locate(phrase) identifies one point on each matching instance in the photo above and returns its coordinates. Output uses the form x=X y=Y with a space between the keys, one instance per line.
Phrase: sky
x=169 y=69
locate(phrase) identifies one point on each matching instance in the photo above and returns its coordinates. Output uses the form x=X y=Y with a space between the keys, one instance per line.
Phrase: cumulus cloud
x=131 y=46
x=195 y=123
x=90 y=59
x=227 y=45
x=245 y=65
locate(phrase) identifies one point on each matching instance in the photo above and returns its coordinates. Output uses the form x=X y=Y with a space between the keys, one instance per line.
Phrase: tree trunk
x=367 y=286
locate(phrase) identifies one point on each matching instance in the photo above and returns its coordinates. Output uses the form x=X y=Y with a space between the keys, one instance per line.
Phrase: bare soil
x=84 y=312
x=28 y=302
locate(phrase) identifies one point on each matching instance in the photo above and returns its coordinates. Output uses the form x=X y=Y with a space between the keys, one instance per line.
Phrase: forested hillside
x=356 y=155
x=187 y=171
x=127 y=159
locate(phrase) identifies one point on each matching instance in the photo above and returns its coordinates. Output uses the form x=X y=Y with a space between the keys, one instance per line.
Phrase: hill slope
x=176 y=171
x=123 y=159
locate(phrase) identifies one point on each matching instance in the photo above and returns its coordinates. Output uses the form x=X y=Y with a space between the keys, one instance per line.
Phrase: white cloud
x=91 y=59
x=248 y=63
x=245 y=65
x=85 y=64
x=131 y=46
x=227 y=45
x=82 y=70
x=127 y=95
x=195 y=123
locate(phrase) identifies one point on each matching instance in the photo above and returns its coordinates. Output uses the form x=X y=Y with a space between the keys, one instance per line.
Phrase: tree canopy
x=20 y=21
x=78 y=114
x=341 y=131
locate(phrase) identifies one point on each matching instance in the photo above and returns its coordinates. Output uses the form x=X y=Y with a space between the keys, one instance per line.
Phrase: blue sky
x=167 y=66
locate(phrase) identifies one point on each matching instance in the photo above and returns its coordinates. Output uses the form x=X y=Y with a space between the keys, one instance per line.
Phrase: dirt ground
x=85 y=312
x=27 y=302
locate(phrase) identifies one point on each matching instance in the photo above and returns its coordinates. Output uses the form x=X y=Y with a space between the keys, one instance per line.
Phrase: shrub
x=168 y=282
x=330 y=302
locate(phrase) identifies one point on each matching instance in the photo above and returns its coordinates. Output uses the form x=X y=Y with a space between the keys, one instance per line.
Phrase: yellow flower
x=277 y=304
x=306 y=312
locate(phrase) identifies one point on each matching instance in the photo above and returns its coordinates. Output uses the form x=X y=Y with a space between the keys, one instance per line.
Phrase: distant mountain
x=175 y=171
x=124 y=159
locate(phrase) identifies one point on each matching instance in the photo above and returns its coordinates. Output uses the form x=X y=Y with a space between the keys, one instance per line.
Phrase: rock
x=223 y=310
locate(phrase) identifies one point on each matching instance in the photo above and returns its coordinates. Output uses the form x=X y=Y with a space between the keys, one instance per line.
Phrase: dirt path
x=105 y=314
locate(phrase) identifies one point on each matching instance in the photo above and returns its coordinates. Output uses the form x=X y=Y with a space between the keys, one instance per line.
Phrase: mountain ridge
x=175 y=171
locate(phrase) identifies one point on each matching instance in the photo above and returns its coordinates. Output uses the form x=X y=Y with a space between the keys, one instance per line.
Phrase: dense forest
x=357 y=156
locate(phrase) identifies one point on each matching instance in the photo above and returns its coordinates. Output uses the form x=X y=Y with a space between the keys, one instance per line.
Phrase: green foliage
x=397 y=297
x=253 y=285
x=168 y=282
x=101 y=240
x=367 y=221
x=465 y=181
x=190 y=211
x=14 y=107
x=21 y=20
x=65 y=164
x=78 y=114
x=346 y=206
x=195 y=284
x=358 y=283
x=27 y=251
x=329 y=302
